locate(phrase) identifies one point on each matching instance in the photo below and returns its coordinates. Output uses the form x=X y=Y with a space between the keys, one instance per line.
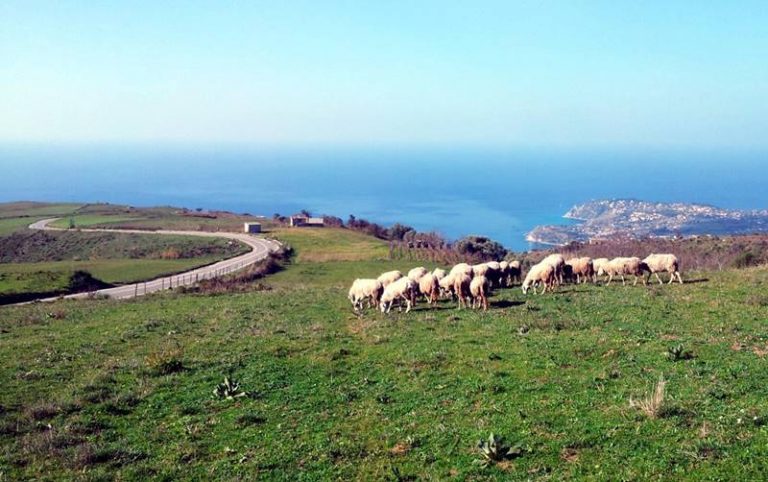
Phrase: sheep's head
x=526 y=285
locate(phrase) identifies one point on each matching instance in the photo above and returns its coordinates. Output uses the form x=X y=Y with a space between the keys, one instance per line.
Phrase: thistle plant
x=677 y=352
x=229 y=389
x=494 y=450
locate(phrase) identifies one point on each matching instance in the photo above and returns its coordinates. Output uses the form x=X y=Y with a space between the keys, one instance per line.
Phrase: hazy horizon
x=515 y=74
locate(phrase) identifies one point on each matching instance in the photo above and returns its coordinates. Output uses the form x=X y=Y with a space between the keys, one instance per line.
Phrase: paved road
x=260 y=249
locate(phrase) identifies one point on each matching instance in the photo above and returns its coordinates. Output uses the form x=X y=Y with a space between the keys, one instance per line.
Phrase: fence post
x=136 y=290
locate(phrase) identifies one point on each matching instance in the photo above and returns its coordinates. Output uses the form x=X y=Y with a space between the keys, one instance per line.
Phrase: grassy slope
x=337 y=397
x=39 y=262
x=53 y=276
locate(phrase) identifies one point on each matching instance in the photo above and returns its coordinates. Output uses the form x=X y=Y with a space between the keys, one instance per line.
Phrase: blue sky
x=537 y=73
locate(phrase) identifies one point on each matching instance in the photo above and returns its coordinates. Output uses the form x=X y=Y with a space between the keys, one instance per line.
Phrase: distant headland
x=602 y=219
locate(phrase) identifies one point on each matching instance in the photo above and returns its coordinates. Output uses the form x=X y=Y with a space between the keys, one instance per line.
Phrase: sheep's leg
x=407 y=305
x=679 y=278
x=671 y=278
x=610 y=278
x=657 y=277
x=623 y=283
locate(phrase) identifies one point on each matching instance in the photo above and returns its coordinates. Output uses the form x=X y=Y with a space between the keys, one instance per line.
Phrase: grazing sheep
x=416 y=273
x=558 y=263
x=541 y=273
x=581 y=268
x=446 y=285
x=389 y=277
x=598 y=266
x=401 y=290
x=625 y=266
x=479 y=288
x=494 y=273
x=504 y=270
x=480 y=269
x=513 y=272
x=463 y=268
x=663 y=263
x=439 y=273
x=429 y=287
x=461 y=284
x=365 y=289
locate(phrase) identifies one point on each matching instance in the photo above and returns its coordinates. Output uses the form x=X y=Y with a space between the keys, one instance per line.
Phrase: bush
x=81 y=280
x=166 y=361
x=745 y=260
x=481 y=247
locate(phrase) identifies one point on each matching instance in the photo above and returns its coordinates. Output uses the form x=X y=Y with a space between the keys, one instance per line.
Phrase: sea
x=501 y=193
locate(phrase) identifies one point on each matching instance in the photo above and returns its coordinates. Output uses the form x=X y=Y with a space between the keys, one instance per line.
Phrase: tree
x=480 y=246
x=398 y=231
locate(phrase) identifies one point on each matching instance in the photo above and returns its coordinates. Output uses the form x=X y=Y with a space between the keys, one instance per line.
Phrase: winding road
x=260 y=249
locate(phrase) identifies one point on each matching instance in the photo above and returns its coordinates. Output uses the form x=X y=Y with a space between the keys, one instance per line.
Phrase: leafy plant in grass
x=229 y=389
x=652 y=404
x=494 y=450
x=677 y=352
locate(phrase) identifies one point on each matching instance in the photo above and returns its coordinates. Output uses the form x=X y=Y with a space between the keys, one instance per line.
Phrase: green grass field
x=42 y=262
x=90 y=220
x=105 y=390
x=53 y=276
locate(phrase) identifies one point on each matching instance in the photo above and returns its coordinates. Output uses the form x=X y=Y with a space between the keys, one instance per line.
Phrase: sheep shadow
x=506 y=303
x=694 y=281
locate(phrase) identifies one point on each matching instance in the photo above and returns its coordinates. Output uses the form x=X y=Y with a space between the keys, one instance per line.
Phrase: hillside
x=632 y=218
x=100 y=388
x=36 y=264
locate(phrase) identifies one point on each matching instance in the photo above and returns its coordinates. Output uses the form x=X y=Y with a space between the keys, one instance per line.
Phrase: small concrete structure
x=304 y=221
x=252 y=228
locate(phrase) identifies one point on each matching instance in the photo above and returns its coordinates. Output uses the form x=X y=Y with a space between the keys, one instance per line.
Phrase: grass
x=42 y=262
x=125 y=389
x=53 y=276
x=331 y=244
x=90 y=220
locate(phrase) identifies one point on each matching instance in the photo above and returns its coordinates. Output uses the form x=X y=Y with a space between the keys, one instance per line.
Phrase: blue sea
x=501 y=193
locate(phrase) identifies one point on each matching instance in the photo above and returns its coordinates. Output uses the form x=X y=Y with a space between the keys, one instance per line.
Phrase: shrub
x=166 y=361
x=480 y=247
x=82 y=280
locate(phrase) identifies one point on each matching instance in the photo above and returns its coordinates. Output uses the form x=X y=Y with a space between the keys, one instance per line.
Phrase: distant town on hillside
x=602 y=219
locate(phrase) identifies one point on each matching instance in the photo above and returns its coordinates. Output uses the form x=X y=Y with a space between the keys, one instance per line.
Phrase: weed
x=677 y=352
x=652 y=404
x=494 y=450
x=165 y=361
x=229 y=389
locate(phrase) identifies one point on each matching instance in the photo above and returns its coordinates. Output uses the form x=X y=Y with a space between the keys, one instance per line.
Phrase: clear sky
x=553 y=73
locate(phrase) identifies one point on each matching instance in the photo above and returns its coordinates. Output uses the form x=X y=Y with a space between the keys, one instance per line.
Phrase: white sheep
x=401 y=290
x=479 y=288
x=513 y=272
x=365 y=289
x=625 y=266
x=504 y=269
x=581 y=268
x=446 y=285
x=389 y=277
x=598 y=265
x=416 y=273
x=439 y=273
x=543 y=274
x=663 y=263
x=429 y=287
x=558 y=263
x=461 y=284
x=463 y=268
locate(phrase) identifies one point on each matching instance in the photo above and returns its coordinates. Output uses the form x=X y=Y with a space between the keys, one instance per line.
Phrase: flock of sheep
x=471 y=284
